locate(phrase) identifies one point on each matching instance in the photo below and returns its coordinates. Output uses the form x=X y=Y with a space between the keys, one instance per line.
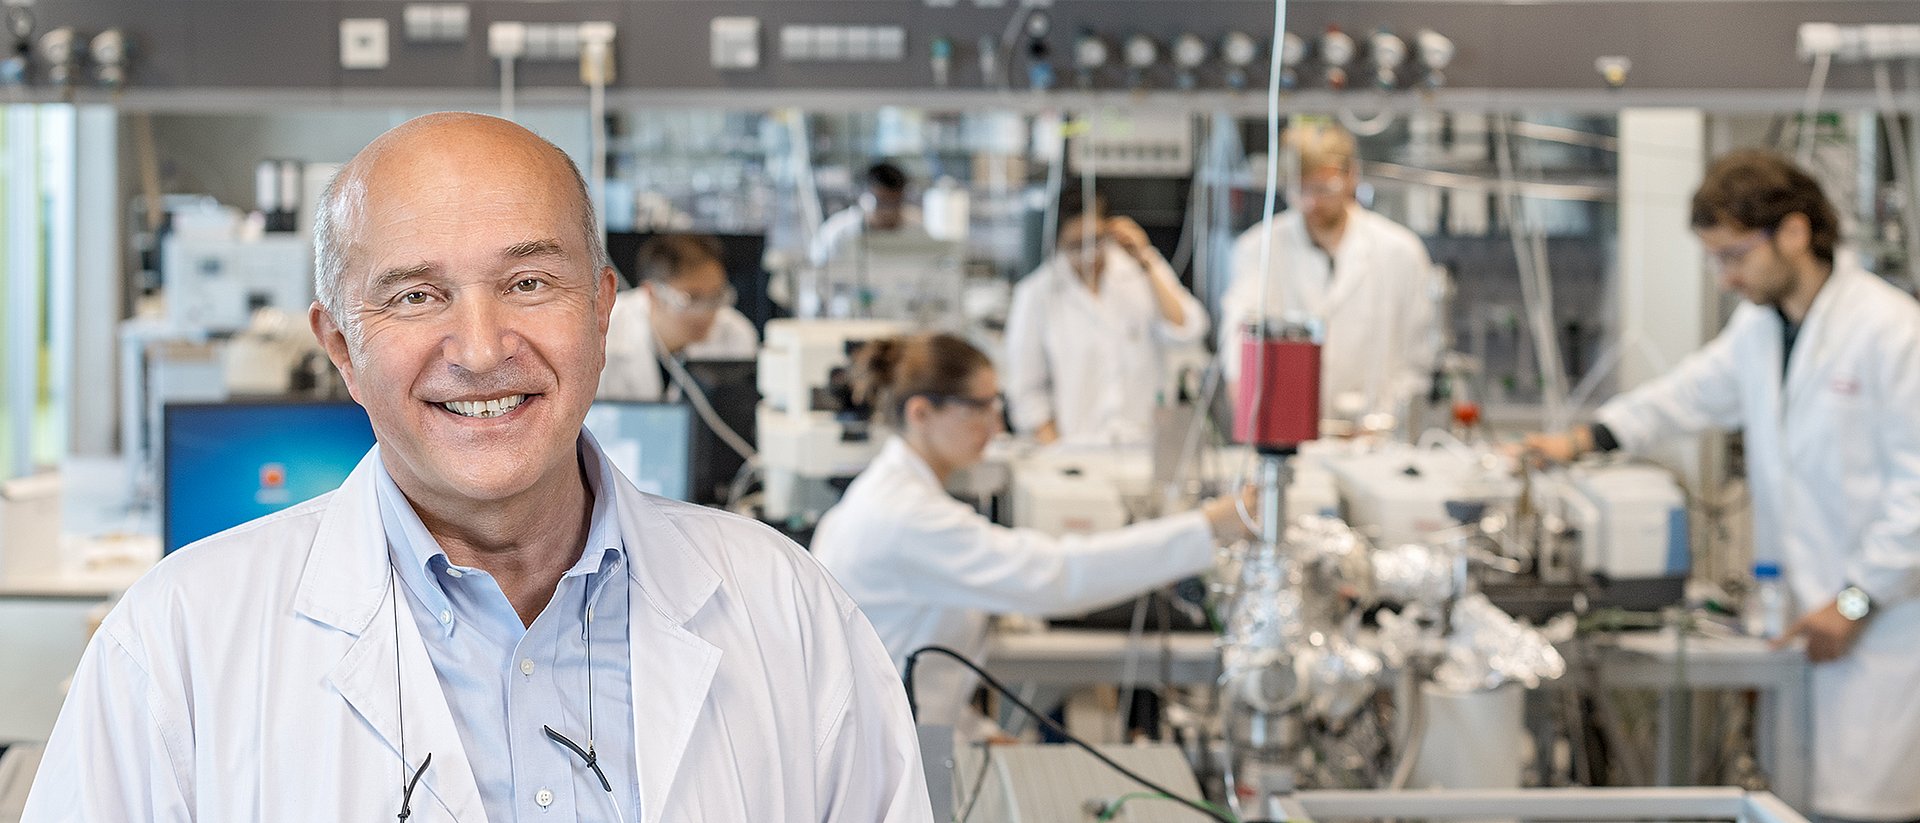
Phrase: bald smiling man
x=486 y=621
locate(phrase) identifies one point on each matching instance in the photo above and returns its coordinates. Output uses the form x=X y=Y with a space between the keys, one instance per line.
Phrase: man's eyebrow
x=533 y=248
x=388 y=279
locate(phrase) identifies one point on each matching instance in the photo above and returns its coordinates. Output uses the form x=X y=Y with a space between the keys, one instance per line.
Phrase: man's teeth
x=485 y=408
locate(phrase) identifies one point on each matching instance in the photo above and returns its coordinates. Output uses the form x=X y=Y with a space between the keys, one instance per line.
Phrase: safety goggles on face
x=680 y=301
x=1734 y=255
x=994 y=405
x=1080 y=246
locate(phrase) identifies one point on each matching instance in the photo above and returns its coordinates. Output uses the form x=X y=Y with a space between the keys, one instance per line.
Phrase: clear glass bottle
x=1766 y=610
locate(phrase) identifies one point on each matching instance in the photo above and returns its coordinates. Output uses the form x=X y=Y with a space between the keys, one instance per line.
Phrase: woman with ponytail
x=929 y=570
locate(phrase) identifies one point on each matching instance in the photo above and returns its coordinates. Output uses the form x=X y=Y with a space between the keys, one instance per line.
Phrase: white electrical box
x=1400 y=494
x=363 y=43
x=736 y=43
x=214 y=284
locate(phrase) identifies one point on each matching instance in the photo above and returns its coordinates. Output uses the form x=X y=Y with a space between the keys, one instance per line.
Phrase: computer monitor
x=732 y=387
x=224 y=464
x=650 y=443
x=740 y=255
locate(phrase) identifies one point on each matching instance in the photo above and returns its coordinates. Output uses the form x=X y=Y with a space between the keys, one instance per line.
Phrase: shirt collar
x=419 y=558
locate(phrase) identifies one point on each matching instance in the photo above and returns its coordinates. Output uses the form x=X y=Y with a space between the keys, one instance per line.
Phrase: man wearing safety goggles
x=682 y=308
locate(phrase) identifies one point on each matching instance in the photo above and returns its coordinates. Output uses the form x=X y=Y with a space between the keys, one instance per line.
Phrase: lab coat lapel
x=1346 y=268
x=671 y=668
x=346 y=586
x=1812 y=363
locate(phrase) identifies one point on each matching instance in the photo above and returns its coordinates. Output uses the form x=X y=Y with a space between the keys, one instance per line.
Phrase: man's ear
x=608 y=290
x=1794 y=235
x=334 y=340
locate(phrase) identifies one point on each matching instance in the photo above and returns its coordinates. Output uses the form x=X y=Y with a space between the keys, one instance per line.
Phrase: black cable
x=1005 y=692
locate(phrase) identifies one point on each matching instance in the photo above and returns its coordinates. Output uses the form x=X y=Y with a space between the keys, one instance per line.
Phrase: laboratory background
x=1397 y=605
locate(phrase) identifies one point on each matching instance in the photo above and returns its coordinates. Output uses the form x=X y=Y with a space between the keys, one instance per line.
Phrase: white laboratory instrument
x=1399 y=494
x=1629 y=521
x=214 y=283
x=30 y=526
x=809 y=427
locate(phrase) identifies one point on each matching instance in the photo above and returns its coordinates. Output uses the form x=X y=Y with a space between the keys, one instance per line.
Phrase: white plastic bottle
x=1766 y=611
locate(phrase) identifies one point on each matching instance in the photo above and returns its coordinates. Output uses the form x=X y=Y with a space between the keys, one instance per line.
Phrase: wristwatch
x=1853 y=603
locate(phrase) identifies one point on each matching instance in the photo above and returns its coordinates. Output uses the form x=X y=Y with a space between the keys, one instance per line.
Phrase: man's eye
x=528 y=284
x=415 y=298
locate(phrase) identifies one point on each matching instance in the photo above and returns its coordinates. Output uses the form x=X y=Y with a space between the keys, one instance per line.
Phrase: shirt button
x=526 y=666
x=446 y=616
x=452 y=572
x=544 y=798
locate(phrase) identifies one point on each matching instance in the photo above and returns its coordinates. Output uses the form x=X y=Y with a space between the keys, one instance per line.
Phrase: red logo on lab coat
x=1845 y=387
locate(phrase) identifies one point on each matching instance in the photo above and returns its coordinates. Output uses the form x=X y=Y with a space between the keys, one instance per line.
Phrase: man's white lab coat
x=251 y=677
x=1374 y=300
x=633 y=369
x=1094 y=364
x=1833 y=462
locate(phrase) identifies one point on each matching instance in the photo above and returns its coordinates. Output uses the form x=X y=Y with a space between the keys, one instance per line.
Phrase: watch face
x=1853 y=603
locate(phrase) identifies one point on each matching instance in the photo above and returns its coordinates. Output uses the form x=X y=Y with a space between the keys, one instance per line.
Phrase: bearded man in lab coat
x=1820 y=367
x=486 y=621
x=1366 y=279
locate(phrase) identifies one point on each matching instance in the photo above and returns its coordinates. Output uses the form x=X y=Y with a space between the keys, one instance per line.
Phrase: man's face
x=1747 y=262
x=888 y=212
x=1083 y=242
x=1325 y=193
x=482 y=318
x=686 y=305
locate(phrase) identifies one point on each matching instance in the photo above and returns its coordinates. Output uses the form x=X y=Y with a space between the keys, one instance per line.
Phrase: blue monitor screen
x=226 y=464
x=650 y=443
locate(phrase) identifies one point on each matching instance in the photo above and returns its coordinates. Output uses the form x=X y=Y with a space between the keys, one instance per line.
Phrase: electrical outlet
x=735 y=42
x=363 y=43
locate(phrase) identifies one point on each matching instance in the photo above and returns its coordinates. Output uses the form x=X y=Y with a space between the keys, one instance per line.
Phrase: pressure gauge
x=1090 y=51
x=1436 y=51
x=1388 y=51
x=1336 y=48
x=1189 y=51
x=1141 y=51
x=1239 y=49
x=1294 y=51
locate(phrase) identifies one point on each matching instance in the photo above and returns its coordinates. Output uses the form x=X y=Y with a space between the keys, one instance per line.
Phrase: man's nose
x=482 y=337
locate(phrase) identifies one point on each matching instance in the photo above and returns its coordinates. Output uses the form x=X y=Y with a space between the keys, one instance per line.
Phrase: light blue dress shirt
x=504 y=680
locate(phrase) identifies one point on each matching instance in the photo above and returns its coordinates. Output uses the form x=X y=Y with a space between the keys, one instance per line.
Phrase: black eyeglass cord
x=400 y=703
x=589 y=755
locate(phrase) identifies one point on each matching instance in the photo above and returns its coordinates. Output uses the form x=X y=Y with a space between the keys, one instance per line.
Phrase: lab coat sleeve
x=1887 y=562
x=869 y=750
x=1702 y=393
x=120 y=750
x=1193 y=319
x=959 y=559
x=1029 y=377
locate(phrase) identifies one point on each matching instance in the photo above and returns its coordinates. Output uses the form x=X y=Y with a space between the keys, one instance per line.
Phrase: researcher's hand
x=1829 y=635
x=1048 y=433
x=1130 y=238
x=1225 y=518
x=1543 y=449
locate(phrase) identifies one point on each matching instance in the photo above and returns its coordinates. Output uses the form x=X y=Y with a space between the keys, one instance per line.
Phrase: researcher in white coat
x=882 y=209
x=1820 y=368
x=929 y=570
x=1364 y=279
x=683 y=308
x=422 y=642
x=1089 y=331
